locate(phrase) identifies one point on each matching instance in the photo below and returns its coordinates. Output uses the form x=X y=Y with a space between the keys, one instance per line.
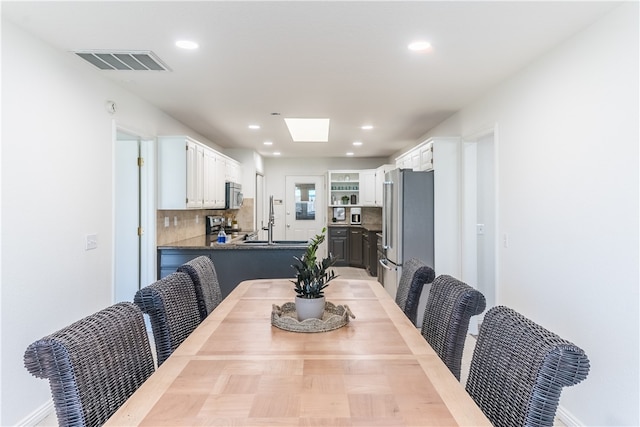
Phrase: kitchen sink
x=275 y=242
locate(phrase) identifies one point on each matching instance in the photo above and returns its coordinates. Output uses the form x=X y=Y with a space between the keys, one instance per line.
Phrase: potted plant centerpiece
x=311 y=278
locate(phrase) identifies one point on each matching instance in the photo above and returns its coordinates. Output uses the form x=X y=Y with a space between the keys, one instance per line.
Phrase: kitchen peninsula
x=235 y=261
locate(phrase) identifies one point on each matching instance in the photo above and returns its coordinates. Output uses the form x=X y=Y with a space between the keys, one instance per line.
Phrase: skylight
x=308 y=130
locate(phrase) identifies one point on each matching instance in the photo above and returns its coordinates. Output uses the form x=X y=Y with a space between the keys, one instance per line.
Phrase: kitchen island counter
x=234 y=261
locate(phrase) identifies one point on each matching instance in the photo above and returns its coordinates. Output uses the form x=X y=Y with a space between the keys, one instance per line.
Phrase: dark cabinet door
x=366 y=261
x=339 y=245
x=355 y=247
x=372 y=255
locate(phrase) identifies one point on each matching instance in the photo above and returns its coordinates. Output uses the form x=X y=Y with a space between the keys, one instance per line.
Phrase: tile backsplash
x=371 y=217
x=185 y=224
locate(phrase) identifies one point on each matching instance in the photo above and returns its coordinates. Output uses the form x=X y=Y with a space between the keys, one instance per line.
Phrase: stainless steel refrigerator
x=407 y=225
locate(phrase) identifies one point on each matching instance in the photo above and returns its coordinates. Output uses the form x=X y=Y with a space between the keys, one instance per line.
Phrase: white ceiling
x=347 y=61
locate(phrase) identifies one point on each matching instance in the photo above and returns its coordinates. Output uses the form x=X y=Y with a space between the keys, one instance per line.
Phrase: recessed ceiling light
x=276 y=153
x=187 y=44
x=419 y=46
x=357 y=143
x=350 y=153
x=366 y=127
x=268 y=143
x=308 y=130
x=254 y=127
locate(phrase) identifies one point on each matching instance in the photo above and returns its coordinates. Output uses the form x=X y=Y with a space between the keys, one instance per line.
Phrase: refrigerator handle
x=384 y=264
x=386 y=213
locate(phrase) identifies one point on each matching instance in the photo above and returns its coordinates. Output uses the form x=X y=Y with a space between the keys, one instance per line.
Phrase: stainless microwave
x=233 y=198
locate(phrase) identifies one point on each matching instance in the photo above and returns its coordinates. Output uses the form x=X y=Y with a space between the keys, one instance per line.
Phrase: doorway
x=134 y=217
x=305 y=208
x=479 y=217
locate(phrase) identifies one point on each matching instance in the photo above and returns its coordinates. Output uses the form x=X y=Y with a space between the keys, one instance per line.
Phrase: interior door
x=134 y=222
x=127 y=218
x=305 y=208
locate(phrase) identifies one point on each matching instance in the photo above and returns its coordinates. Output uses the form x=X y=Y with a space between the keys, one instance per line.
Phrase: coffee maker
x=356 y=215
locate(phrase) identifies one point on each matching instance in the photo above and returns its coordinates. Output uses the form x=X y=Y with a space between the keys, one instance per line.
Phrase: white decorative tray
x=334 y=317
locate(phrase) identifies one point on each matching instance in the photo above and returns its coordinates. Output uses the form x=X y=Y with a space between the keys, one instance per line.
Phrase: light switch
x=480 y=229
x=90 y=242
x=166 y=221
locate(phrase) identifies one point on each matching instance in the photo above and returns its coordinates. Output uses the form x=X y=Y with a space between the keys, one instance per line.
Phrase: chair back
x=94 y=364
x=518 y=370
x=204 y=277
x=449 y=308
x=415 y=274
x=173 y=310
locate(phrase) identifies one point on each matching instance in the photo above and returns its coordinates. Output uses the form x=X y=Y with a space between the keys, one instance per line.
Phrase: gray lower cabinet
x=355 y=247
x=370 y=253
x=339 y=245
x=235 y=265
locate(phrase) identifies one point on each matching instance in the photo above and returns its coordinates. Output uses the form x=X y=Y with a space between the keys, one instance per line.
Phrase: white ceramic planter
x=309 y=308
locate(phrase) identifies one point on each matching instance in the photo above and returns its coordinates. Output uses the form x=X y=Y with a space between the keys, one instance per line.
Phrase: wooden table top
x=236 y=369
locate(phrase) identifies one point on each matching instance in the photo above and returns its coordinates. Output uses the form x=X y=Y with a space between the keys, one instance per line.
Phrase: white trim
x=568 y=418
x=34 y=418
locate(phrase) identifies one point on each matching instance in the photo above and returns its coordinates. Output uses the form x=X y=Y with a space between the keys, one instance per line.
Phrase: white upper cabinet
x=192 y=175
x=364 y=186
x=221 y=173
x=232 y=168
x=211 y=188
x=426 y=156
x=368 y=187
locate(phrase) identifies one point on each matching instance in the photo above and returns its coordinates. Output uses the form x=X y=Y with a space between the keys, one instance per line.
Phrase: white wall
x=567 y=165
x=57 y=186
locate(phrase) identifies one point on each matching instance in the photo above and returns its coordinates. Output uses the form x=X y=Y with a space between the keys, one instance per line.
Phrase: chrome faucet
x=271 y=223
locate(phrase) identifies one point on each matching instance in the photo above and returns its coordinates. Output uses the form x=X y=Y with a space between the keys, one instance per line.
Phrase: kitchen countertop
x=211 y=242
x=367 y=227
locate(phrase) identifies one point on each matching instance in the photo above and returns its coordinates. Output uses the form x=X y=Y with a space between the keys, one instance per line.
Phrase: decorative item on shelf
x=354 y=199
x=345 y=200
x=311 y=279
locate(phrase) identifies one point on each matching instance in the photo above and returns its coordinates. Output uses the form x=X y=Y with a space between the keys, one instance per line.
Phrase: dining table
x=237 y=369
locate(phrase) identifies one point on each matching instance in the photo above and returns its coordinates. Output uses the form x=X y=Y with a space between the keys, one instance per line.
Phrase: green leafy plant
x=313 y=276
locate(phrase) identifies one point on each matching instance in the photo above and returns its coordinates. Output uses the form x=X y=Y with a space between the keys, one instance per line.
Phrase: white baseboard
x=568 y=418
x=38 y=415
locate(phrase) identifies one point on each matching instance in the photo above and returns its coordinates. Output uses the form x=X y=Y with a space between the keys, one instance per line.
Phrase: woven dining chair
x=518 y=370
x=204 y=277
x=445 y=324
x=415 y=274
x=94 y=364
x=173 y=310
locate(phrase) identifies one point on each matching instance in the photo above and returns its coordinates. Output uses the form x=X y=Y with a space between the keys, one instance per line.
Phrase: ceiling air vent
x=129 y=60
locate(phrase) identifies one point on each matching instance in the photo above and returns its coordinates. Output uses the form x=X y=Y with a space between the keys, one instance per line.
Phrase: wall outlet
x=166 y=221
x=480 y=229
x=175 y=221
x=90 y=242
x=505 y=240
